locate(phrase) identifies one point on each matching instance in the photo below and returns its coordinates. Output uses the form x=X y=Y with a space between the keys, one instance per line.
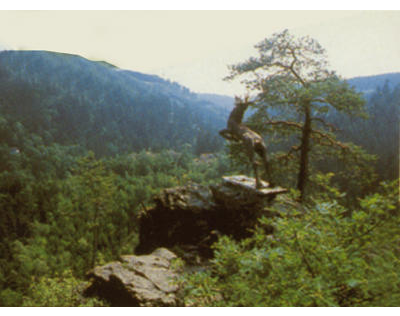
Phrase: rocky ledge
x=192 y=216
x=188 y=220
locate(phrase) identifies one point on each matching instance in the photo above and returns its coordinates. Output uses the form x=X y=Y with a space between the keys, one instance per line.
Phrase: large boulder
x=147 y=280
x=193 y=216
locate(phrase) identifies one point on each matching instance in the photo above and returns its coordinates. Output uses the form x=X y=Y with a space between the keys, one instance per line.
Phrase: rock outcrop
x=147 y=280
x=193 y=216
x=186 y=219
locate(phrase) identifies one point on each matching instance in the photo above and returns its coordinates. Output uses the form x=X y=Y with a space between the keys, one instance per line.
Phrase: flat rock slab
x=247 y=183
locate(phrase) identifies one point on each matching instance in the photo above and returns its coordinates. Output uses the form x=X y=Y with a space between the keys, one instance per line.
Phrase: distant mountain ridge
x=368 y=84
x=105 y=108
x=68 y=99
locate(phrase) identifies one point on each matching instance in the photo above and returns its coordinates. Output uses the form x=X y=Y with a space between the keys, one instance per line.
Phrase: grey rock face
x=147 y=280
x=192 y=216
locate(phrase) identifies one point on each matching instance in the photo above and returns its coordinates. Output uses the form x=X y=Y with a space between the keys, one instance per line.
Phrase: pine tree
x=295 y=93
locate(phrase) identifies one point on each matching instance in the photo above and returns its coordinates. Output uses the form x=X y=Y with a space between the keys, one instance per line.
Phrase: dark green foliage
x=68 y=99
x=60 y=291
x=85 y=216
x=318 y=256
x=207 y=142
x=337 y=249
x=379 y=134
x=64 y=209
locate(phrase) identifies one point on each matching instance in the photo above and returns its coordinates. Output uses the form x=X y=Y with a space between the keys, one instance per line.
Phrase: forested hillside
x=369 y=84
x=73 y=101
x=84 y=146
x=379 y=133
x=55 y=110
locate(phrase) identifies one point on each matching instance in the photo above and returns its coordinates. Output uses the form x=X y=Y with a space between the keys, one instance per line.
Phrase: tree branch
x=320 y=100
x=329 y=138
x=303 y=255
x=289 y=153
x=326 y=124
x=287 y=123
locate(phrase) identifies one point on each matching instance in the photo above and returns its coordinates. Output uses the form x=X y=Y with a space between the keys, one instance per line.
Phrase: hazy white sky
x=195 y=47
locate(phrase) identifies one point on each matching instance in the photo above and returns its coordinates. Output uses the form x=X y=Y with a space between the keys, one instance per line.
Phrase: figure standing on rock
x=252 y=142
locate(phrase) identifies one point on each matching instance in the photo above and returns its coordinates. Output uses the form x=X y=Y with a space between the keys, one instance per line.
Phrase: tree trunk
x=95 y=239
x=94 y=251
x=305 y=148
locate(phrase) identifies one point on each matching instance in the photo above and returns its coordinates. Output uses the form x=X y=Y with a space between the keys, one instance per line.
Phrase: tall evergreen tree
x=295 y=90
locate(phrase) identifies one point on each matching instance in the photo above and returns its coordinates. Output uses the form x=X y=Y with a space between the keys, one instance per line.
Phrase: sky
x=195 y=47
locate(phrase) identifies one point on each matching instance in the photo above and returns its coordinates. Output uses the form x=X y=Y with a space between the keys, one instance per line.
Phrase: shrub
x=320 y=255
x=59 y=291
